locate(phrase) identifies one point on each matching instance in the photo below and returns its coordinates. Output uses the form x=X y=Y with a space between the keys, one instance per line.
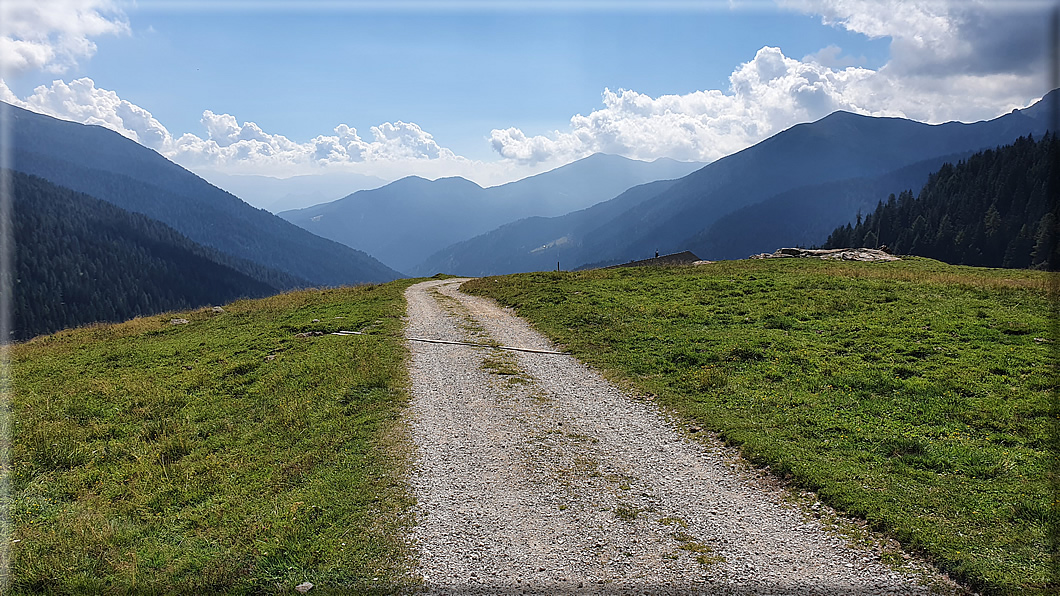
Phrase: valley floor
x=533 y=473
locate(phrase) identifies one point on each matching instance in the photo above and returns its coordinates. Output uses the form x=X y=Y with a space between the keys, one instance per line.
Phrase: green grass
x=222 y=455
x=914 y=394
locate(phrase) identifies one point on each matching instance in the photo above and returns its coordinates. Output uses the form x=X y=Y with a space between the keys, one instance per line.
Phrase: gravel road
x=535 y=475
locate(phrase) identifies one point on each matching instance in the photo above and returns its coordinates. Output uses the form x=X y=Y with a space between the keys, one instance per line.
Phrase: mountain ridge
x=842 y=146
x=102 y=163
x=295 y=192
x=407 y=220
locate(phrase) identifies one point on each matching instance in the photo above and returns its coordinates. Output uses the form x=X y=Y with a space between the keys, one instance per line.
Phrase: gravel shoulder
x=533 y=474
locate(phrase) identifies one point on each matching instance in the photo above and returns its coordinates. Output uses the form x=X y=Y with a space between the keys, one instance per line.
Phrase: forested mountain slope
x=991 y=210
x=81 y=260
x=106 y=165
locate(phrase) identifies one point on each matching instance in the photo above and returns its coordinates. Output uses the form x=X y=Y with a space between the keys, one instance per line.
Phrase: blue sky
x=490 y=93
x=456 y=74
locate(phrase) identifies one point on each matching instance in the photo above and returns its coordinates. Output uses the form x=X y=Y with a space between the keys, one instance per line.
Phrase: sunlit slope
x=913 y=394
x=222 y=454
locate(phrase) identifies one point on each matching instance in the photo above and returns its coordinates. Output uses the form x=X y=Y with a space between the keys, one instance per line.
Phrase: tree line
x=991 y=210
x=80 y=260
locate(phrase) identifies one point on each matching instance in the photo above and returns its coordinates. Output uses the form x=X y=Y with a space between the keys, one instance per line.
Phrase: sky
x=498 y=90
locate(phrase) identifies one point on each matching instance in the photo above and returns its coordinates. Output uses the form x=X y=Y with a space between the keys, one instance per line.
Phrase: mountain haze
x=407 y=220
x=108 y=166
x=534 y=243
x=296 y=192
x=805 y=215
x=815 y=175
x=837 y=147
x=81 y=260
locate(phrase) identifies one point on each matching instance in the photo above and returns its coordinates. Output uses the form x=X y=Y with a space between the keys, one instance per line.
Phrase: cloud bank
x=395 y=148
x=961 y=60
x=965 y=60
x=53 y=35
x=767 y=95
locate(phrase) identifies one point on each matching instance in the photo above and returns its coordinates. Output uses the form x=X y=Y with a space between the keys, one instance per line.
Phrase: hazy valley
x=255 y=446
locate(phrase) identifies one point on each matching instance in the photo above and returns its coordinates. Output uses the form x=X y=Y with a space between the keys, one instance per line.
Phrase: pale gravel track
x=555 y=481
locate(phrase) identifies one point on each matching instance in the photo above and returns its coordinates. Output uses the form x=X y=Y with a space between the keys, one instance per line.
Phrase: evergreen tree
x=989 y=210
x=80 y=260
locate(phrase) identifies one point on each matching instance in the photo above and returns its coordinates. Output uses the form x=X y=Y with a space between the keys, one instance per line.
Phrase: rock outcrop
x=841 y=254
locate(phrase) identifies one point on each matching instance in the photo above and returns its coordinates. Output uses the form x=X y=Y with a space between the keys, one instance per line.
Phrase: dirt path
x=535 y=475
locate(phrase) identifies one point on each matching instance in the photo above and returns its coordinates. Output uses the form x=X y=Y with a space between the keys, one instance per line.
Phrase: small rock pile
x=841 y=254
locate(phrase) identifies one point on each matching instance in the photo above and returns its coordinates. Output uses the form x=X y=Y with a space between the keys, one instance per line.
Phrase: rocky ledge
x=842 y=254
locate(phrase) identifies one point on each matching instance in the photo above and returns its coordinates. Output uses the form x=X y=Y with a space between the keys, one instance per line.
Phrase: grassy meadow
x=913 y=394
x=221 y=455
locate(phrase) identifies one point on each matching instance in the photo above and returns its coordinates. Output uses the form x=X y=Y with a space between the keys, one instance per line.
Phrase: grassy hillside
x=913 y=394
x=222 y=454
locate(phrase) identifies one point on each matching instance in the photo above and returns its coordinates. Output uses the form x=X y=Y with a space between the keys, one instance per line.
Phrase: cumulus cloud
x=229 y=143
x=767 y=94
x=234 y=146
x=53 y=35
x=81 y=101
x=962 y=60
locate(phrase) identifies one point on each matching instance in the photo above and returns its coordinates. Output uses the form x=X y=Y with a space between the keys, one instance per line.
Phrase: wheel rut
x=533 y=474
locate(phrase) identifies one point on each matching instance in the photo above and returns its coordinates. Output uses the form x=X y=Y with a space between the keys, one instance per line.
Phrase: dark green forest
x=80 y=260
x=991 y=210
x=108 y=166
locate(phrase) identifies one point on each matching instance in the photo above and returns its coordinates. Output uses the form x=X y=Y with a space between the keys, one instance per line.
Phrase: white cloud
x=229 y=143
x=766 y=95
x=81 y=101
x=53 y=35
x=945 y=38
x=395 y=149
x=832 y=57
x=961 y=60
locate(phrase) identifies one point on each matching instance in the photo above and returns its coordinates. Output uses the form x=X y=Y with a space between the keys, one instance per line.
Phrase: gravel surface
x=535 y=475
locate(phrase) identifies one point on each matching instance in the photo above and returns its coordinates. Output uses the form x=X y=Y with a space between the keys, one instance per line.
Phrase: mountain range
x=296 y=192
x=792 y=188
x=109 y=229
x=404 y=222
x=105 y=165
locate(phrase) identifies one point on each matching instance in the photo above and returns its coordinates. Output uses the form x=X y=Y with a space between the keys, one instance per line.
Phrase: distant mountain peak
x=414 y=181
x=791 y=188
x=1039 y=109
x=406 y=221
